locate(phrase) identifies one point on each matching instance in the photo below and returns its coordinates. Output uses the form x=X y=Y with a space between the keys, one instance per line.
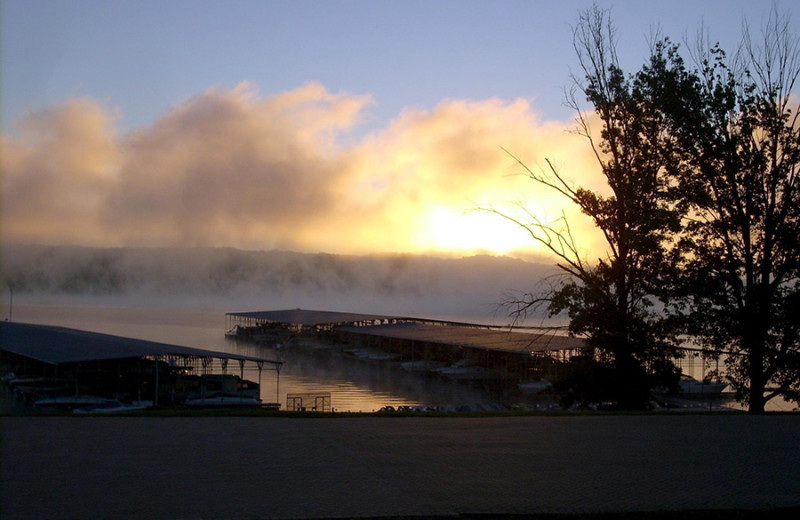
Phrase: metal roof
x=57 y=345
x=311 y=318
x=473 y=337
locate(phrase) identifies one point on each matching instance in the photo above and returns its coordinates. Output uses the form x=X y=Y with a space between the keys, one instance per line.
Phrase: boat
x=691 y=386
x=534 y=387
x=114 y=406
x=465 y=373
x=7 y=377
x=33 y=393
x=466 y=370
x=371 y=355
x=71 y=402
x=33 y=381
x=29 y=389
x=223 y=399
x=422 y=365
x=208 y=385
x=272 y=335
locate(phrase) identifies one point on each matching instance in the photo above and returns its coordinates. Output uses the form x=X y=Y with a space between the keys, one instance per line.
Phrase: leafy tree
x=736 y=125
x=612 y=301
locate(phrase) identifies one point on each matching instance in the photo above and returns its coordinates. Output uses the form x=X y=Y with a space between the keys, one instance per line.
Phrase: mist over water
x=231 y=280
x=180 y=296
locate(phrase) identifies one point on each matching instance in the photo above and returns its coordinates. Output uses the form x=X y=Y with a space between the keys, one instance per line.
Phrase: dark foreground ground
x=252 y=468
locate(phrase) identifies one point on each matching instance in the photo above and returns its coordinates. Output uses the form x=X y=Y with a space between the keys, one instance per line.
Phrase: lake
x=355 y=385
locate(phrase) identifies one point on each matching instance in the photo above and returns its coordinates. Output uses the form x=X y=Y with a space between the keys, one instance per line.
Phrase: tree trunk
x=757 y=381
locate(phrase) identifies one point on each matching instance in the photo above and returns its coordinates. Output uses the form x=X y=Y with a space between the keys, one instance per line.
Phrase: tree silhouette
x=614 y=301
x=737 y=129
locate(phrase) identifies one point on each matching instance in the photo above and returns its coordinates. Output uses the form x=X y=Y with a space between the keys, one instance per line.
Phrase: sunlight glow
x=473 y=231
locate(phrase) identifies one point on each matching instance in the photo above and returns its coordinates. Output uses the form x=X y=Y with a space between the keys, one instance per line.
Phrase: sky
x=349 y=127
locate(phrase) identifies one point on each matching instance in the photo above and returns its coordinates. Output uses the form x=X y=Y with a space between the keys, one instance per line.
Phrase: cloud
x=235 y=168
x=450 y=160
x=57 y=174
x=230 y=166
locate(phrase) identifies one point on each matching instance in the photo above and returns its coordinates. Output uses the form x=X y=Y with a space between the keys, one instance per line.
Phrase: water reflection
x=355 y=384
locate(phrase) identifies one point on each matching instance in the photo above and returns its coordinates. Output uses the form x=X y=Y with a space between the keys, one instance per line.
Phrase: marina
x=361 y=362
x=308 y=366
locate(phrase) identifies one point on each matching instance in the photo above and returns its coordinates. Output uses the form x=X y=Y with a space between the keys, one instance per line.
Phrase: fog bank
x=237 y=280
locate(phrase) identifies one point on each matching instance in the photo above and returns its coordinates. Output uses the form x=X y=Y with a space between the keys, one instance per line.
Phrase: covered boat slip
x=471 y=352
x=471 y=337
x=298 y=321
x=126 y=368
x=509 y=355
x=307 y=318
x=491 y=337
x=302 y=320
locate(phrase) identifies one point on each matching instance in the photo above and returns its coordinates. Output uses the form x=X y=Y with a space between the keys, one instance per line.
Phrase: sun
x=453 y=230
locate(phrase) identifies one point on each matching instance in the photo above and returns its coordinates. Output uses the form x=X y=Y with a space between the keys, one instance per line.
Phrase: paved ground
x=250 y=468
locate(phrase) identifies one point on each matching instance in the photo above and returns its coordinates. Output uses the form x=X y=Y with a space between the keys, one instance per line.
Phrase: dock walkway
x=252 y=468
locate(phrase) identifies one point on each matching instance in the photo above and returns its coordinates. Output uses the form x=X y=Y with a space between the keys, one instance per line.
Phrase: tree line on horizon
x=113 y=271
x=700 y=213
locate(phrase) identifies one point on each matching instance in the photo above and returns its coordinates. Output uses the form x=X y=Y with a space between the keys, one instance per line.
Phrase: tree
x=736 y=125
x=612 y=302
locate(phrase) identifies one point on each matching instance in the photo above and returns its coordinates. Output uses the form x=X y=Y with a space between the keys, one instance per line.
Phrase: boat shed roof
x=59 y=345
x=473 y=337
x=310 y=318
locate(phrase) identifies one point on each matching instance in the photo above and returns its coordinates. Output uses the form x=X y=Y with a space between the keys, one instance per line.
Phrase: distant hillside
x=430 y=284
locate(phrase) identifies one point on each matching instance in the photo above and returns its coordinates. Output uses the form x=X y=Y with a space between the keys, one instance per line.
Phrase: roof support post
x=155 y=398
x=260 y=365
x=278 y=385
